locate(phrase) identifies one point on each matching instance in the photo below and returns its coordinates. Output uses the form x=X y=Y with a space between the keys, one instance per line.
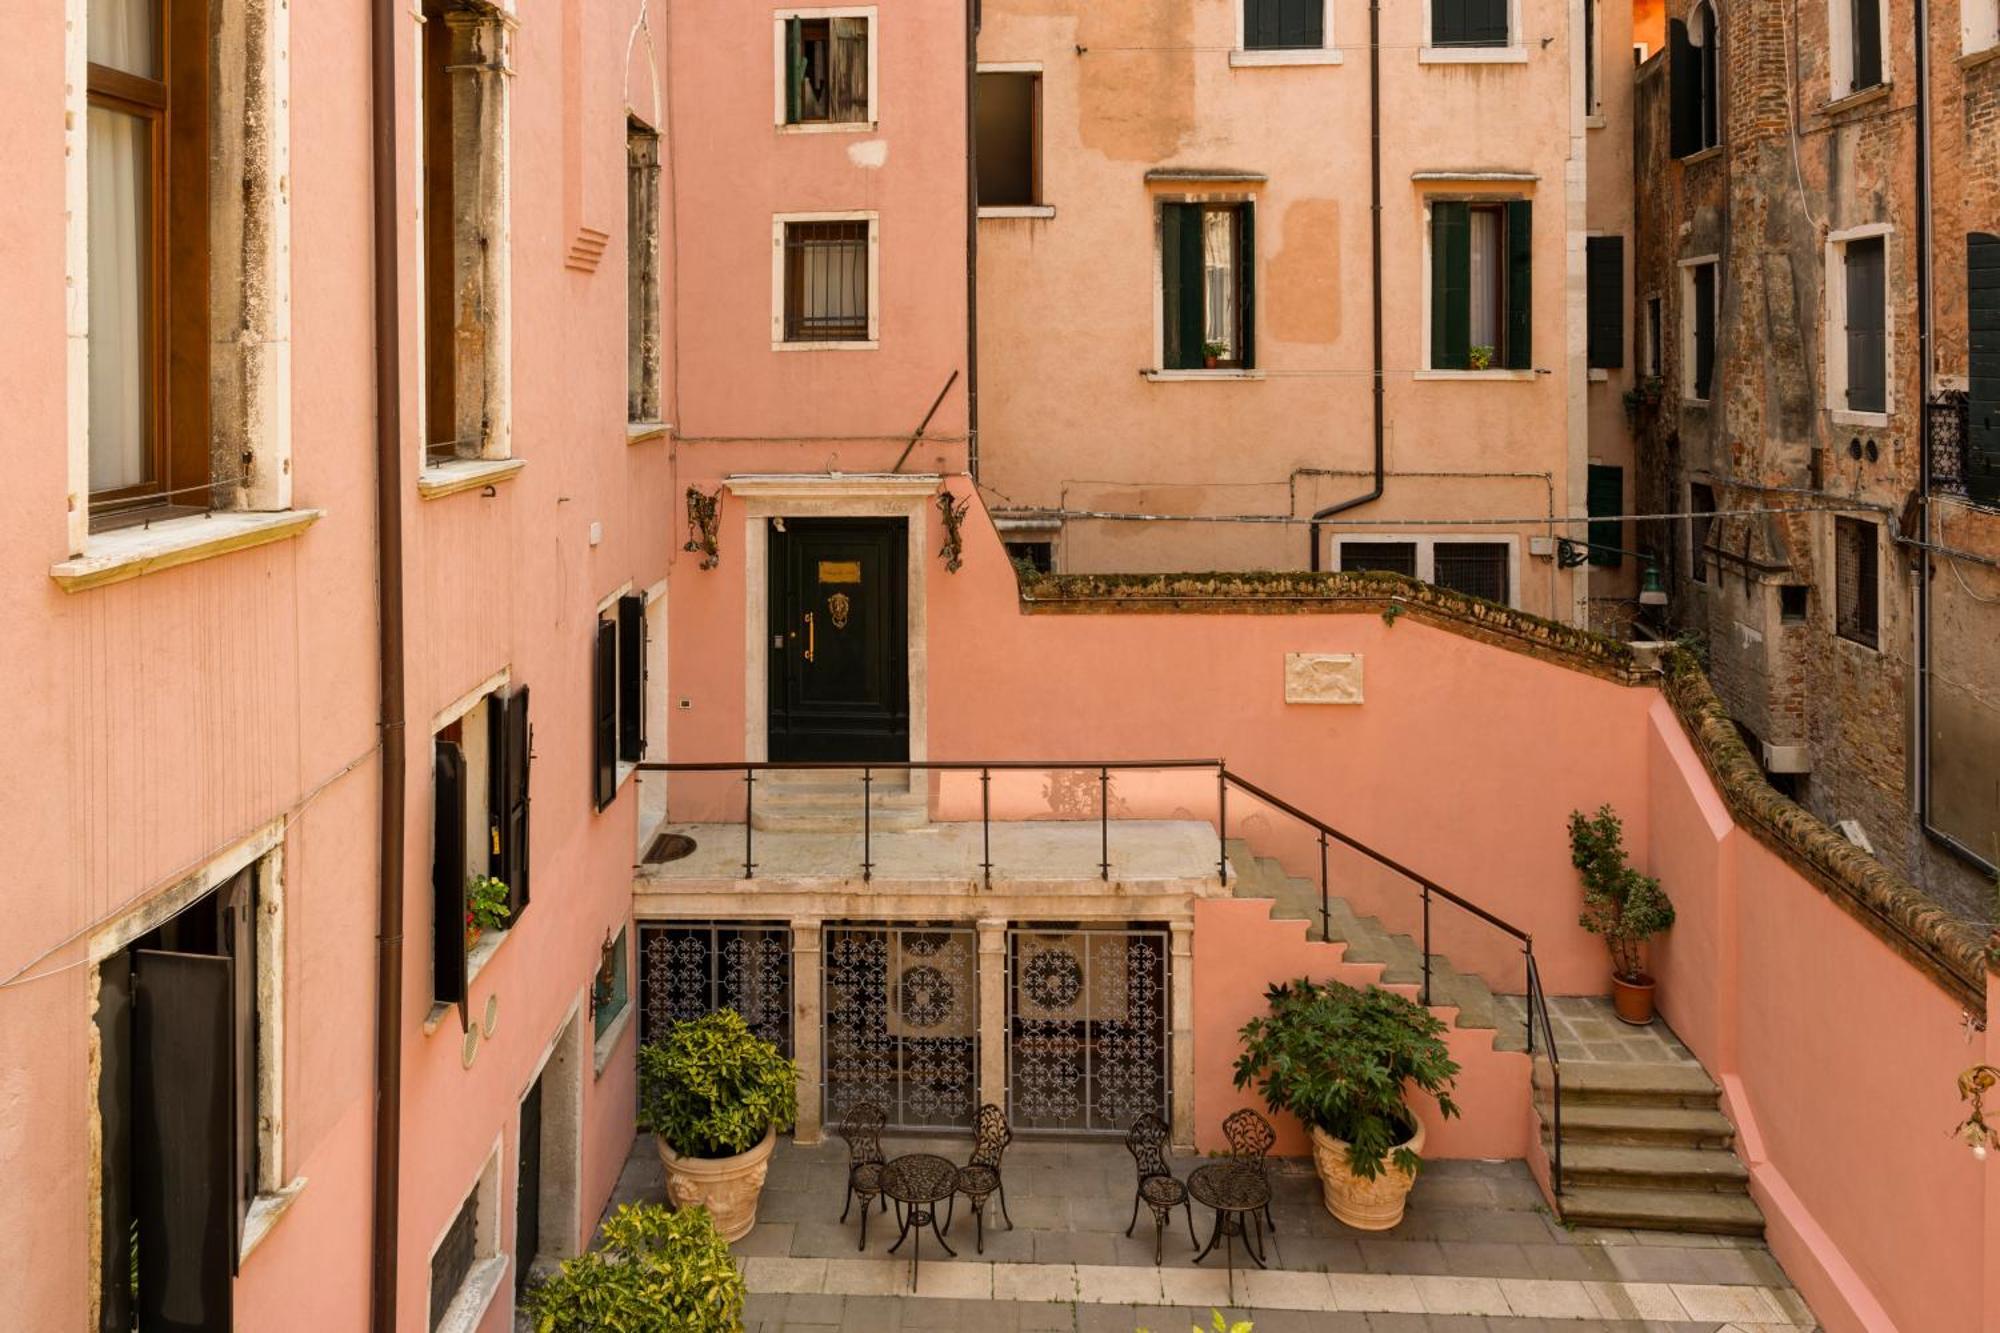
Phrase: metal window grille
x=692 y=969
x=1947 y=428
x=1087 y=1024
x=453 y=1257
x=902 y=1023
x=1389 y=557
x=826 y=281
x=1856 y=581
x=1478 y=569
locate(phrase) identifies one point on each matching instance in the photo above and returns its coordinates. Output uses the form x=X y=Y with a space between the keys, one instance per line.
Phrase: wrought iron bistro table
x=1238 y=1193
x=919 y=1182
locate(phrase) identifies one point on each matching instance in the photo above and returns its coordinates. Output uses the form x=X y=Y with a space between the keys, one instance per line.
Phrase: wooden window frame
x=175 y=106
x=1514 y=301
x=1168 y=270
x=781 y=21
x=642 y=259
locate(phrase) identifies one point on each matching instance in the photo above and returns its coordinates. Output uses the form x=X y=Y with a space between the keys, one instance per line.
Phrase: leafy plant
x=712 y=1087
x=1480 y=357
x=657 y=1272
x=1218 y=1324
x=486 y=905
x=1215 y=349
x=1645 y=394
x=1343 y=1060
x=1620 y=904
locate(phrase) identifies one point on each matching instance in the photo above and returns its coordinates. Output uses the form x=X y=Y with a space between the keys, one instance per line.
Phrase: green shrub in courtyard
x=711 y=1087
x=1620 y=904
x=1343 y=1060
x=656 y=1272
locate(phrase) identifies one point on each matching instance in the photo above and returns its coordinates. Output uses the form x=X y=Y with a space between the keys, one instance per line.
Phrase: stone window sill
x=1712 y=151
x=1594 y=121
x=1473 y=55
x=1980 y=57
x=1017 y=211
x=1868 y=420
x=1175 y=376
x=638 y=432
x=861 y=345
x=475 y=962
x=608 y=1043
x=467 y=1310
x=1324 y=55
x=1496 y=374
x=1851 y=101
x=438 y=480
x=830 y=127
x=1599 y=375
x=128 y=553
x=265 y=1212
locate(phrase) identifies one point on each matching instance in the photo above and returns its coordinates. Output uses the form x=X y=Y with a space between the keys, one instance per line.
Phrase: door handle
x=810 y=643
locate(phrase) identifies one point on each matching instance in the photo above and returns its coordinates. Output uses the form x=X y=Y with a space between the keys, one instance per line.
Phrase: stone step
x=1623 y=1166
x=1660 y=1210
x=1609 y=1083
x=1645 y=1126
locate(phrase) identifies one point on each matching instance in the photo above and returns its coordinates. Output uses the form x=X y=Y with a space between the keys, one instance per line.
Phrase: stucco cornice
x=829 y=485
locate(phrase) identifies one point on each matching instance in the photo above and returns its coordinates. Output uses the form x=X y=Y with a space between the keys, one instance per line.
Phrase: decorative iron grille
x=1947 y=432
x=1478 y=569
x=1087 y=1021
x=826 y=281
x=902 y=1023
x=691 y=969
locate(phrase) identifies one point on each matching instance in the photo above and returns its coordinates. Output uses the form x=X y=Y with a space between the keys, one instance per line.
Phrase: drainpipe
x=1374 y=493
x=1920 y=740
x=389 y=577
x=971 y=241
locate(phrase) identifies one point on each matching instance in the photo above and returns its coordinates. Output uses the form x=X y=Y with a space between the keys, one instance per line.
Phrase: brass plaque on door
x=840 y=571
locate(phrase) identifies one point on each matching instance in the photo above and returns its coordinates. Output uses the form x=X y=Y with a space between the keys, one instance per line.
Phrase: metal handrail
x=1538 y=1001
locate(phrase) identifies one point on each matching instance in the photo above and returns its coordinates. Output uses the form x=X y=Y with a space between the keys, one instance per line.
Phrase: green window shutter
x=1246 y=284
x=1181 y=284
x=1605 y=293
x=1451 y=285
x=1684 y=90
x=1606 y=496
x=1283 y=24
x=1520 y=285
x=795 y=69
x=1982 y=410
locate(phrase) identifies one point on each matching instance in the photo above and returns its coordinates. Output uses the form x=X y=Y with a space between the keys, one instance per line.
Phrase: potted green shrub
x=1344 y=1060
x=656 y=1272
x=1212 y=352
x=1480 y=357
x=1620 y=904
x=715 y=1095
x=486 y=907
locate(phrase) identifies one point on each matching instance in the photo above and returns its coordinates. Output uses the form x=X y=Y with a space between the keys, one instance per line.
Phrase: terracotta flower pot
x=1633 y=999
x=727 y=1186
x=1366 y=1205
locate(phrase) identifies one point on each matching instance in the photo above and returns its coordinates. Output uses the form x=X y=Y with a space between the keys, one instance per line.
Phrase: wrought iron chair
x=1250 y=1139
x=1158 y=1188
x=861 y=1129
x=979 y=1179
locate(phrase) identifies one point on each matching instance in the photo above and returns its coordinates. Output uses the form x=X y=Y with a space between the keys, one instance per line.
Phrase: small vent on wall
x=587 y=250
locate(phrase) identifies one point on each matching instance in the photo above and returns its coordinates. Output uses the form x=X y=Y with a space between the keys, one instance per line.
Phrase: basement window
x=1009 y=129
x=618 y=696
x=826 y=71
x=1482 y=277
x=1208 y=286
x=1857 y=582
x=479 y=832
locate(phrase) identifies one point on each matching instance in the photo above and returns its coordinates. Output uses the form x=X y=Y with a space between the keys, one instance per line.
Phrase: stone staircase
x=1370 y=941
x=1646 y=1147
x=829 y=801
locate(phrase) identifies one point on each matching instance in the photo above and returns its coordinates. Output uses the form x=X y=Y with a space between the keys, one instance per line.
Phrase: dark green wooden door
x=839 y=641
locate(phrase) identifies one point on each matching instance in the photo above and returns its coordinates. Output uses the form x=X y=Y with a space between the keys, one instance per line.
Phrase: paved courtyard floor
x=1478 y=1250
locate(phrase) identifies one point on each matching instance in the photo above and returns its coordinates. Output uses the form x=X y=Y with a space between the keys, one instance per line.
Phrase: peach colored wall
x=1837 y=1061
x=1066 y=417
x=1239 y=951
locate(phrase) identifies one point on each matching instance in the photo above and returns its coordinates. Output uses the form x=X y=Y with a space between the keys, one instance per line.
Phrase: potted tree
x=656 y=1272
x=1343 y=1060
x=1620 y=904
x=715 y=1095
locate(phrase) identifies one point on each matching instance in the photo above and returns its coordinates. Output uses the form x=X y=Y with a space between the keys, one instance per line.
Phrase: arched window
x=1696 y=73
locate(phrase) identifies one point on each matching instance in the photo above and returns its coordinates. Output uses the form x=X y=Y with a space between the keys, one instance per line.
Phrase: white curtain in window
x=124 y=34
x=120 y=162
x=1218 y=250
x=836 y=283
x=1485 y=277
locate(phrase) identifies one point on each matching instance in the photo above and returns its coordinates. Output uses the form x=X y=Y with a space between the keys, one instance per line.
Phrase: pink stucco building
x=377 y=372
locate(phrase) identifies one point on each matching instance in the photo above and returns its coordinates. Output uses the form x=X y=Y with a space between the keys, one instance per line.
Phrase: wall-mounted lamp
x=1973 y=1085
x=1652 y=592
x=704 y=515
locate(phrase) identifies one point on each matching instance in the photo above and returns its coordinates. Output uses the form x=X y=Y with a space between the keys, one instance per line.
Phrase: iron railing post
x=986 y=825
x=1222 y=823
x=1104 y=819
x=1325 y=905
x=749 y=786
x=867 y=820
x=1528 y=992
x=1427 y=945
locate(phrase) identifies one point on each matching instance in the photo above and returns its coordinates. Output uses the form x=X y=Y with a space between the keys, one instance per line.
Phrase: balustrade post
x=1427 y=944
x=1325 y=904
x=986 y=825
x=867 y=825
x=1104 y=819
x=749 y=785
x=807 y=1029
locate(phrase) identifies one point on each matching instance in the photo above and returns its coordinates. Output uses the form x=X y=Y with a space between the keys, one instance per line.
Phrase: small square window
x=1037 y=557
x=1477 y=569
x=826 y=72
x=1469 y=22
x=826 y=281
x=1792 y=603
x=1283 y=25
x=1384 y=557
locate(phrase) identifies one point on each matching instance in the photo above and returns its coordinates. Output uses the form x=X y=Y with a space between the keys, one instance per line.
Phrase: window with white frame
x=1979 y=25
x=1857 y=324
x=1699 y=307
x=1484 y=567
x=1208 y=283
x=823 y=274
x=190 y=1092
x=618 y=694
x=1859 y=59
x=826 y=68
